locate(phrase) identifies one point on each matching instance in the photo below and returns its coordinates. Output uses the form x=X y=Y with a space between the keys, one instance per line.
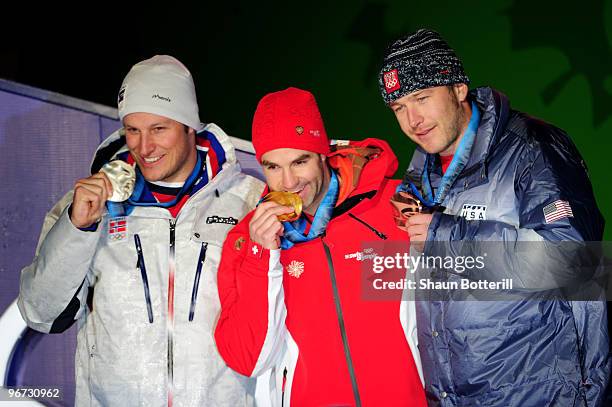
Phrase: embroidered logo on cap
x=164 y=98
x=295 y=268
x=391 y=81
x=121 y=96
x=299 y=129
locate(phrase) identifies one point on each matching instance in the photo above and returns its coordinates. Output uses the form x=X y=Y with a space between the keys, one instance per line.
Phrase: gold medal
x=122 y=176
x=290 y=199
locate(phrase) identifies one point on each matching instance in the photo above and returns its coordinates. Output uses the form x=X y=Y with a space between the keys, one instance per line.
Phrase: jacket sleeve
x=53 y=289
x=251 y=332
x=536 y=253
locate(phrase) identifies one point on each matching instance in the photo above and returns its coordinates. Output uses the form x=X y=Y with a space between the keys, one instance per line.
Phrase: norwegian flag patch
x=557 y=210
x=117 y=229
x=392 y=82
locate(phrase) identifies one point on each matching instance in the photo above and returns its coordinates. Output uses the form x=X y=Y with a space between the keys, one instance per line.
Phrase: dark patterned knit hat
x=418 y=61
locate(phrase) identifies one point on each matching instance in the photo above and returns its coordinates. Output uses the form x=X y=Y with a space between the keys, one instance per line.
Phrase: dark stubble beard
x=454 y=126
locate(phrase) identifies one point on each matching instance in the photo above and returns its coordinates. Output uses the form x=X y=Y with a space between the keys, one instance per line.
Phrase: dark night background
x=553 y=59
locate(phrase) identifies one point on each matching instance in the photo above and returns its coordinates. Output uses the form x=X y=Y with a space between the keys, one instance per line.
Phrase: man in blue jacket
x=492 y=174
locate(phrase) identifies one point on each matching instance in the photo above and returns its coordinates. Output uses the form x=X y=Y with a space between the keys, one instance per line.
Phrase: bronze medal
x=405 y=205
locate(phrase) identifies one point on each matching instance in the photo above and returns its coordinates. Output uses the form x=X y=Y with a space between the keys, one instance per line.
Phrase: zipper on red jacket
x=347 y=351
x=196 y=280
x=283 y=387
x=378 y=233
x=170 y=321
x=140 y=265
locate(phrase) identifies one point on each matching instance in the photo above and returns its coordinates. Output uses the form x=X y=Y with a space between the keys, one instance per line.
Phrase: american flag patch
x=557 y=210
x=117 y=229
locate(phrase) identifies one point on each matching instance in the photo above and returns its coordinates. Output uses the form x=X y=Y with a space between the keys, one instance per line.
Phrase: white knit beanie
x=160 y=85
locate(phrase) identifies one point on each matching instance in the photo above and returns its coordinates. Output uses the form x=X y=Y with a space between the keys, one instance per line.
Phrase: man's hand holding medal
x=412 y=216
x=115 y=182
x=266 y=225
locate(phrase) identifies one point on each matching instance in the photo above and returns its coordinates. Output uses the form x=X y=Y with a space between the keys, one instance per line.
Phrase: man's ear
x=461 y=91
x=191 y=133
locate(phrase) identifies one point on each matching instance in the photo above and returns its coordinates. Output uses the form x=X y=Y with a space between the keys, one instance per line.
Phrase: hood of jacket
x=362 y=165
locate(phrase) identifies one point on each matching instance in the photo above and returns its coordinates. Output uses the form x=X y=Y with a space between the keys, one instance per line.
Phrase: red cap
x=289 y=118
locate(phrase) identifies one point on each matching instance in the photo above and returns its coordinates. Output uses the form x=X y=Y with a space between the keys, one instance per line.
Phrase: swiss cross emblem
x=391 y=81
x=255 y=249
x=295 y=268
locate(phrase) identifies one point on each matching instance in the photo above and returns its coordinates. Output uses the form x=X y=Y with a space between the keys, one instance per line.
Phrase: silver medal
x=123 y=177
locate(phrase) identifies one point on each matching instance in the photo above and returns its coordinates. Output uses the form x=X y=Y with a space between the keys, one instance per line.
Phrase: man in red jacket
x=293 y=308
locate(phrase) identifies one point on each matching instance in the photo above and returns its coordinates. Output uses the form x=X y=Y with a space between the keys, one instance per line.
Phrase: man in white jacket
x=138 y=272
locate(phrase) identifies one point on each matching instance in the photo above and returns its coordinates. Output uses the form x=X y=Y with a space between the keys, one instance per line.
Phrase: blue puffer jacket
x=534 y=352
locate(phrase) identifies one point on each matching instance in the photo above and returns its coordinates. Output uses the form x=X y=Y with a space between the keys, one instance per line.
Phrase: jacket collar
x=495 y=110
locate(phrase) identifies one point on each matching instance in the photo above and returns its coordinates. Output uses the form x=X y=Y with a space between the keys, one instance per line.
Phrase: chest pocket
x=208 y=232
x=483 y=202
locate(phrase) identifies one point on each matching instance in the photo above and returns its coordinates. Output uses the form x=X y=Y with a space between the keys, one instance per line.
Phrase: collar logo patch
x=474 y=212
x=295 y=268
x=391 y=80
x=255 y=250
x=117 y=230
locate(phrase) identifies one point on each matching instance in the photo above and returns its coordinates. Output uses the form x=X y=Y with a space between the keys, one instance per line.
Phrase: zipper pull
x=196 y=280
x=172 y=231
x=140 y=266
x=283 y=387
x=379 y=234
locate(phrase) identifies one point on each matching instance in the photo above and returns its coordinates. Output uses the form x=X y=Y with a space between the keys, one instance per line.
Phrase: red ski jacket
x=299 y=318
